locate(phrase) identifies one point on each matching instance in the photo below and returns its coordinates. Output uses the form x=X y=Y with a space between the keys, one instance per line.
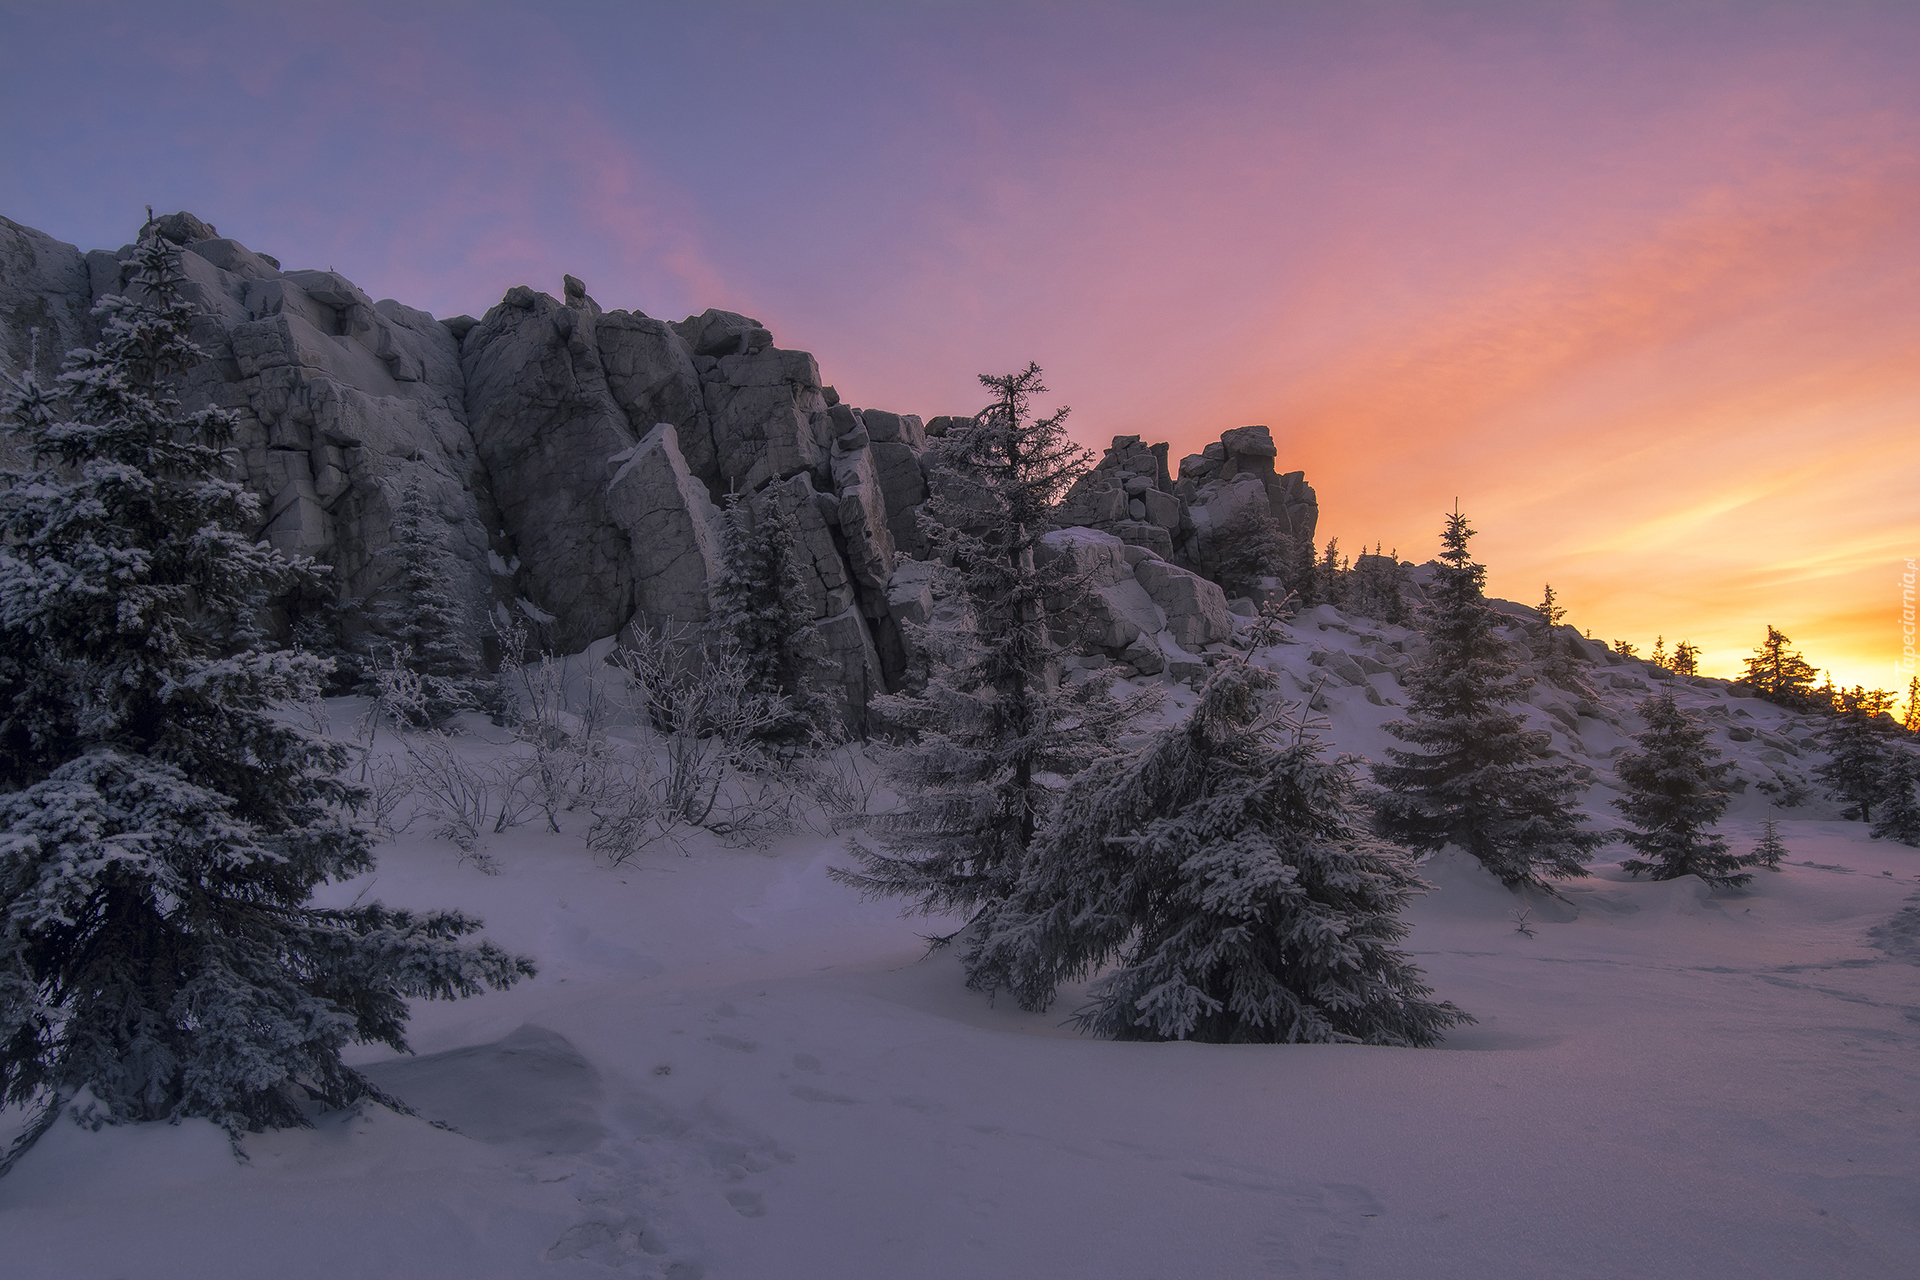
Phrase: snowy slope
x=729 y=1067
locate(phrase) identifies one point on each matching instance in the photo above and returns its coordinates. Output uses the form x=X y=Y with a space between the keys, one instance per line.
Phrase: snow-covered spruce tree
x=1900 y=814
x=991 y=724
x=761 y=613
x=1674 y=794
x=1227 y=869
x=1859 y=751
x=1770 y=850
x=415 y=611
x=160 y=829
x=1475 y=780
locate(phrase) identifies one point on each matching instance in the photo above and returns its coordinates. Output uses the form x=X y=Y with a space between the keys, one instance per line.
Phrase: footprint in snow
x=623 y=1157
x=1322 y=1231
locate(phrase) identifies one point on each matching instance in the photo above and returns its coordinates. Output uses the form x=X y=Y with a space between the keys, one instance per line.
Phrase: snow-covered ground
x=730 y=1067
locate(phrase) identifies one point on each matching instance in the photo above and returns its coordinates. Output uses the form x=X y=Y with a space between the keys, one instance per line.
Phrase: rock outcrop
x=576 y=458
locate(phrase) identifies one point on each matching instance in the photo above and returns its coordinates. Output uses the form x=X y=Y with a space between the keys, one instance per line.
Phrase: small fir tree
x=1900 y=814
x=1226 y=868
x=1626 y=649
x=761 y=612
x=992 y=725
x=1675 y=794
x=1780 y=674
x=1771 y=850
x=1302 y=576
x=1858 y=752
x=1686 y=659
x=1332 y=576
x=161 y=829
x=1475 y=780
x=415 y=612
x=1558 y=664
x=1911 y=721
x=1659 y=656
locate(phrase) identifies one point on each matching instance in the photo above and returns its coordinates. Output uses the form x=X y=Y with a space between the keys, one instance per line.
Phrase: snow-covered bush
x=161 y=827
x=1227 y=870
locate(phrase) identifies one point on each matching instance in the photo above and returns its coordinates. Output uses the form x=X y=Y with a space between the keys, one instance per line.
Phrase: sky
x=1636 y=285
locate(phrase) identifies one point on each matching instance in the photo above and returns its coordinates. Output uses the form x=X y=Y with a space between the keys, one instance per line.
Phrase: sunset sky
x=1638 y=284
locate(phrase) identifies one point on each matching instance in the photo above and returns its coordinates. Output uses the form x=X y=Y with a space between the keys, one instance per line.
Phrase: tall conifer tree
x=761 y=612
x=1675 y=793
x=416 y=612
x=1475 y=780
x=1900 y=814
x=992 y=723
x=1859 y=751
x=161 y=830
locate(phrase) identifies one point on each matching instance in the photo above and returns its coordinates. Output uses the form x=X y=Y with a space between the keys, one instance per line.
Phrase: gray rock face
x=1130 y=496
x=574 y=457
x=650 y=374
x=1130 y=597
x=723 y=333
x=45 y=295
x=338 y=400
x=1246 y=455
x=673 y=530
x=770 y=419
x=546 y=427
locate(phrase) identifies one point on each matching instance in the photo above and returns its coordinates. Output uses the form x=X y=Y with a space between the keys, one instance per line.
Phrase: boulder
x=183 y=228
x=673 y=529
x=723 y=333
x=1196 y=609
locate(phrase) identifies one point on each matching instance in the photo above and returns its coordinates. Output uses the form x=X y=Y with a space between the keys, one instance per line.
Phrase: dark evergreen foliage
x=1554 y=650
x=761 y=613
x=1246 y=549
x=1226 y=868
x=1475 y=780
x=1900 y=814
x=416 y=614
x=161 y=829
x=1675 y=794
x=1859 y=751
x=991 y=723
x=1780 y=674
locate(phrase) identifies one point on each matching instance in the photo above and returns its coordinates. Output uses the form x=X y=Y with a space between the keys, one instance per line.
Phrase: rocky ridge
x=576 y=458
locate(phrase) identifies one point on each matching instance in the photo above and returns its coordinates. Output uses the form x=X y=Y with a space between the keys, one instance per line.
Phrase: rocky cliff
x=576 y=457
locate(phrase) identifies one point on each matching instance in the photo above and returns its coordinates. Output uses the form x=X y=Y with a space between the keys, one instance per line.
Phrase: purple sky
x=1638 y=283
